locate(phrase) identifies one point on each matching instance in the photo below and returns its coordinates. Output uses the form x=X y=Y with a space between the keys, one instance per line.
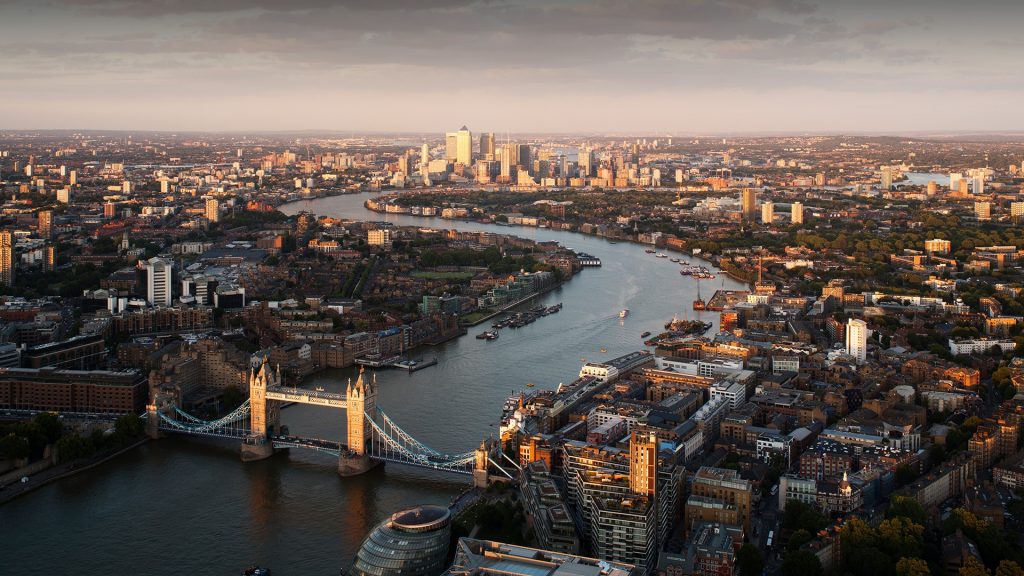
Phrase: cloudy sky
x=650 y=66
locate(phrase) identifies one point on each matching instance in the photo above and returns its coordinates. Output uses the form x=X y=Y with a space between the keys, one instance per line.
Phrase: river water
x=184 y=506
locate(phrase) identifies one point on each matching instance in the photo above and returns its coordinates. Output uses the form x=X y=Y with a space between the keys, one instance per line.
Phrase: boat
x=649 y=250
x=645 y=334
x=487 y=335
x=256 y=571
x=699 y=303
x=624 y=312
x=603 y=350
x=530 y=385
x=674 y=260
x=660 y=255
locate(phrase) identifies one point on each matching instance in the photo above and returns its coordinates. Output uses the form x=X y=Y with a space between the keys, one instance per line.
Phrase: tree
x=912 y=567
x=973 y=567
x=798 y=539
x=901 y=537
x=907 y=508
x=49 y=424
x=802 y=563
x=13 y=447
x=750 y=563
x=1009 y=568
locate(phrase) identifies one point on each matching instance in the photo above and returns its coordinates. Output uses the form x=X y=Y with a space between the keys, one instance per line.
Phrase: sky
x=603 y=66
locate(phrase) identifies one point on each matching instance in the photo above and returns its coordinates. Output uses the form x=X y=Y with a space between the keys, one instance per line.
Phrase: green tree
x=49 y=424
x=750 y=563
x=907 y=508
x=901 y=537
x=1009 y=568
x=798 y=539
x=973 y=567
x=912 y=567
x=801 y=563
x=13 y=447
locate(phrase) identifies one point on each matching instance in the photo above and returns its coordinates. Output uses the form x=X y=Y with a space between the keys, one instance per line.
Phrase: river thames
x=182 y=506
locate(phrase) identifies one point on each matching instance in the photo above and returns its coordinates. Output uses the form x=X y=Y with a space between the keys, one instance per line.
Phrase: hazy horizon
x=656 y=67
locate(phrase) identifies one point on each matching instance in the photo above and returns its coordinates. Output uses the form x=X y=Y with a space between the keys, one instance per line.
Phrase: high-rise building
x=451 y=140
x=933 y=188
x=109 y=210
x=424 y=157
x=6 y=258
x=126 y=187
x=620 y=523
x=643 y=464
x=983 y=210
x=886 y=177
x=50 y=262
x=797 y=213
x=767 y=212
x=954 y=181
x=1017 y=210
x=585 y=161
x=64 y=195
x=212 y=210
x=73 y=177
x=45 y=223
x=857 y=339
x=487 y=145
x=749 y=204
x=158 y=281
x=506 y=161
x=464 y=146
x=978 y=182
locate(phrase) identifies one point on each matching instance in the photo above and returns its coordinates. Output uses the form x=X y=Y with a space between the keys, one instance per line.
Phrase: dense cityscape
x=511 y=288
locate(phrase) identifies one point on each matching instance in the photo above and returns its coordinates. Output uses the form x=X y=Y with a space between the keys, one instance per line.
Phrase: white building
x=979 y=346
x=857 y=339
x=379 y=237
x=797 y=214
x=767 y=212
x=735 y=393
x=158 y=281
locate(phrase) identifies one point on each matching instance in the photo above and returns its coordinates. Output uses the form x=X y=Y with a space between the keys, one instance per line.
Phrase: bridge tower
x=481 y=476
x=264 y=415
x=360 y=404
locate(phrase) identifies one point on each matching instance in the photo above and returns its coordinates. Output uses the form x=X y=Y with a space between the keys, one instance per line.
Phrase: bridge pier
x=153 y=422
x=254 y=449
x=355 y=464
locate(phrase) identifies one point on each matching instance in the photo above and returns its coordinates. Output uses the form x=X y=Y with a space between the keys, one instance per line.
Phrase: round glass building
x=412 y=542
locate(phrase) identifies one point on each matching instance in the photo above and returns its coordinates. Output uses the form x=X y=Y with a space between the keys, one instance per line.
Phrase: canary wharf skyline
x=738 y=66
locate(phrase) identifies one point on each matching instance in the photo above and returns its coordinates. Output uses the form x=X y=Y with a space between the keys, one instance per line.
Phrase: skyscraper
x=487 y=145
x=506 y=161
x=464 y=146
x=886 y=177
x=797 y=213
x=451 y=145
x=212 y=210
x=978 y=182
x=749 y=204
x=857 y=339
x=585 y=161
x=45 y=223
x=643 y=463
x=767 y=212
x=6 y=258
x=50 y=263
x=158 y=281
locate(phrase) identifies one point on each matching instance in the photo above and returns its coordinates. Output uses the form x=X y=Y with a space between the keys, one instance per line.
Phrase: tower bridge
x=371 y=437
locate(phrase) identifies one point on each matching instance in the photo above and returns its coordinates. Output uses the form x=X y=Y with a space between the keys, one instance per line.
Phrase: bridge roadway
x=303 y=396
x=316 y=444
